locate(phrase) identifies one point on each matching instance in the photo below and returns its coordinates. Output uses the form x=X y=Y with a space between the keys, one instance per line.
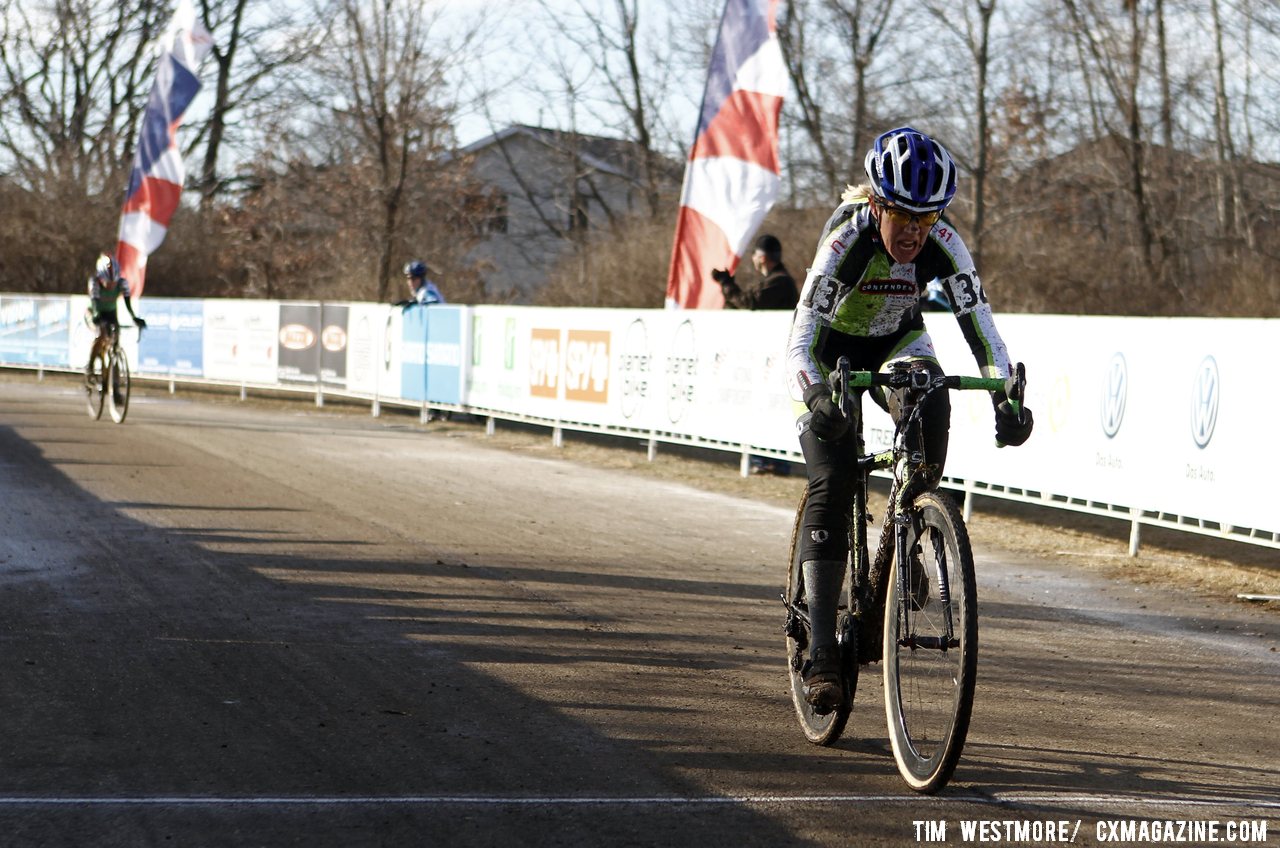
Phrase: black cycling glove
x=1010 y=429
x=827 y=421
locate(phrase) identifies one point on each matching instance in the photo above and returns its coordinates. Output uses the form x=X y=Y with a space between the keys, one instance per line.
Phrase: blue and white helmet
x=106 y=269
x=416 y=269
x=912 y=171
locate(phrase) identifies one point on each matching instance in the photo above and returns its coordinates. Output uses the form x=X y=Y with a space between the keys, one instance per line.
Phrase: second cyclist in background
x=862 y=299
x=422 y=290
x=106 y=286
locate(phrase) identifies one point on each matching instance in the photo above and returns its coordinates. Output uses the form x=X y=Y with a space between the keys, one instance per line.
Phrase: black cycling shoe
x=822 y=685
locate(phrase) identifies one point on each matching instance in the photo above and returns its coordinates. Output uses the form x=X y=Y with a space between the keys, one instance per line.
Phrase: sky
x=531 y=92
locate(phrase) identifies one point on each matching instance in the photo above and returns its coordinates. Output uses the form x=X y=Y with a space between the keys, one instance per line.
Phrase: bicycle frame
x=905 y=461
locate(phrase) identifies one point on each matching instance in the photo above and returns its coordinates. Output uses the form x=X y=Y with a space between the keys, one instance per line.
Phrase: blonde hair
x=856 y=194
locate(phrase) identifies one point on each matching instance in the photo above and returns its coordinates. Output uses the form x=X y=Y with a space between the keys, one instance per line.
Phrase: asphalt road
x=224 y=625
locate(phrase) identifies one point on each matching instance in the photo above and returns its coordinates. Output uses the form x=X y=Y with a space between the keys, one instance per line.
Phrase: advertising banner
x=173 y=342
x=299 y=338
x=333 y=344
x=1154 y=414
x=19 y=330
x=1150 y=414
x=433 y=353
x=240 y=341
x=493 y=381
x=368 y=351
x=53 y=347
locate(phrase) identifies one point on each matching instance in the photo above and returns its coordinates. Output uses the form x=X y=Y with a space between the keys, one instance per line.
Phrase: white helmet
x=107 y=270
x=909 y=170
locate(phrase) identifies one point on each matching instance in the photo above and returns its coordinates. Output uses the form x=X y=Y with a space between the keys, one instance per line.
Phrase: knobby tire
x=929 y=691
x=118 y=393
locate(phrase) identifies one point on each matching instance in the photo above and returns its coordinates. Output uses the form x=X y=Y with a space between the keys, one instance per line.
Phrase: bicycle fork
x=907 y=636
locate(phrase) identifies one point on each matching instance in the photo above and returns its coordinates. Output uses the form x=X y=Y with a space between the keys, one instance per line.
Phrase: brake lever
x=1015 y=390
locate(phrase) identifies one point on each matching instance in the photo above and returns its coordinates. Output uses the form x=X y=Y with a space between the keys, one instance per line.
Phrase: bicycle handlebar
x=1014 y=386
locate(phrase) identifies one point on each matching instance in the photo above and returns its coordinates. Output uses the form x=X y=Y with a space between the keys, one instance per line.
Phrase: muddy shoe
x=822 y=687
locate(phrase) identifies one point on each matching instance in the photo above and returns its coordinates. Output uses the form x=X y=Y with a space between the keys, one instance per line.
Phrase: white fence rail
x=1155 y=421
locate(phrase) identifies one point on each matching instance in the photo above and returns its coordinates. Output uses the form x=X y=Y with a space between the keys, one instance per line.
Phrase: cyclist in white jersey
x=106 y=286
x=882 y=246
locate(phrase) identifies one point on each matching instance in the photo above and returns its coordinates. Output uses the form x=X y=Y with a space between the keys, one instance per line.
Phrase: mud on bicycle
x=913 y=606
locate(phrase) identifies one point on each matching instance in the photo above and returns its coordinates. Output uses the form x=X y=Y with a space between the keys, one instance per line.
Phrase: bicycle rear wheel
x=928 y=676
x=95 y=387
x=818 y=728
x=118 y=399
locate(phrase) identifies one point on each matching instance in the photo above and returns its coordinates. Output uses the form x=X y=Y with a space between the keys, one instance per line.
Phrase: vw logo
x=1115 y=390
x=1204 y=401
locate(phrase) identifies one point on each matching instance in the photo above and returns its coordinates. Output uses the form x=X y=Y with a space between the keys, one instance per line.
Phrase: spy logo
x=1115 y=391
x=818 y=536
x=1204 y=402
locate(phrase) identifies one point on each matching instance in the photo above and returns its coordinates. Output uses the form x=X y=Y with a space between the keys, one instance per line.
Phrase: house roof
x=615 y=156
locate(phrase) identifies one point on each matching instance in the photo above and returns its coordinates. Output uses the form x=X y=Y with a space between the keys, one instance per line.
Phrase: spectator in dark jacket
x=776 y=291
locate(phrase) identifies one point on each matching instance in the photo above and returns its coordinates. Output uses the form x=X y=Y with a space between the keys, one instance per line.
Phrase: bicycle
x=107 y=382
x=928 y=642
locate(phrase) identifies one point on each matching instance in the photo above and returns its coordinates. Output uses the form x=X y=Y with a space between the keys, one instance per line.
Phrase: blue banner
x=53 y=346
x=431 y=353
x=19 y=332
x=173 y=342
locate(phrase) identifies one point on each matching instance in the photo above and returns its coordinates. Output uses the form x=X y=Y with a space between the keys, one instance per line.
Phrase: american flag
x=155 y=183
x=732 y=177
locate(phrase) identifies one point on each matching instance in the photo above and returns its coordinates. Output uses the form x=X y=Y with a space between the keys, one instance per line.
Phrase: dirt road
x=224 y=625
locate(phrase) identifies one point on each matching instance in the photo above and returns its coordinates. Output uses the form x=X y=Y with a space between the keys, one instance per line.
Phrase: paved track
x=223 y=625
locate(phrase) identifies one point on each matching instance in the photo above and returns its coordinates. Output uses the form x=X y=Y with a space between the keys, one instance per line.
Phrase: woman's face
x=903 y=233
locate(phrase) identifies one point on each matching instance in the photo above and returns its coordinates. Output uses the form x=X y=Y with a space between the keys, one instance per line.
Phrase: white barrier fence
x=1156 y=421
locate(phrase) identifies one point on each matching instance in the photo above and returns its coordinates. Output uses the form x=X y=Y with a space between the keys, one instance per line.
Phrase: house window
x=578 y=221
x=497 y=220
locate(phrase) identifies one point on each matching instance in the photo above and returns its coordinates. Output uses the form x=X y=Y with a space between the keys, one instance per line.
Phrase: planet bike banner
x=241 y=341
x=433 y=351
x=721 y=375
x=299 y=339
x=173 y=342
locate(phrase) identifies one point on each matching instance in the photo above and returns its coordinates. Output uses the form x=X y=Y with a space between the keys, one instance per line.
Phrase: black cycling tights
x=825 y=529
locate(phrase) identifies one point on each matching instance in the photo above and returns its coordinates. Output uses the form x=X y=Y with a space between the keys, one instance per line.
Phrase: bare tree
x=619 y=74
x=73 y=81
x=1117 y=58
x=974 y=35
x=381 y=81
x=256 y=45
x=830 y=47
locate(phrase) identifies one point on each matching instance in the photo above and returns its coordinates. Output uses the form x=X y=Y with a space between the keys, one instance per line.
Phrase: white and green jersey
x=858 y=302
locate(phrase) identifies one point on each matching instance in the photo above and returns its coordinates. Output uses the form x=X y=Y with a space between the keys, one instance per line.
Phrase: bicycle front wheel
x=118 y=399
x=931 y=644
x=95 y=387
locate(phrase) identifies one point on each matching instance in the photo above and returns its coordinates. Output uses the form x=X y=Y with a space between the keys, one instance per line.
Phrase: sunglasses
x=902 y=218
